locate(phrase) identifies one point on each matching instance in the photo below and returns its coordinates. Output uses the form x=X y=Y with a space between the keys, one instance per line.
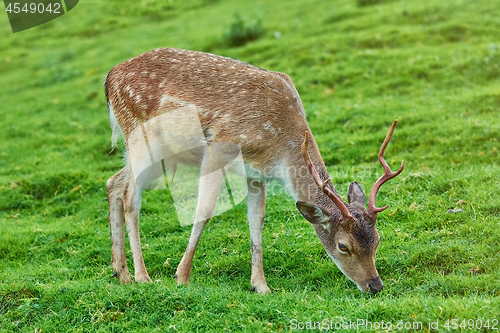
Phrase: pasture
x=357 y=65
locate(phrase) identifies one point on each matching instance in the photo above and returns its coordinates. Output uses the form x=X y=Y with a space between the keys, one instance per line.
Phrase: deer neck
x=300 y=184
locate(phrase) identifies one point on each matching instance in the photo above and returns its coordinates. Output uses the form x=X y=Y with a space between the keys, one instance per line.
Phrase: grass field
x=358 y=65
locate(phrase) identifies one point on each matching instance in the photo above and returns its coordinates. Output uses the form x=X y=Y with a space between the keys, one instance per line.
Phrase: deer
x=261 y=112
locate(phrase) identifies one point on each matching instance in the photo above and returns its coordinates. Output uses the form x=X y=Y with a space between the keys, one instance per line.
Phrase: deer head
x=348 y=230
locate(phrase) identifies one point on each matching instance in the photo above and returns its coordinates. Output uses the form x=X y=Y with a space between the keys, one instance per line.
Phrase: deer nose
x=375 y=285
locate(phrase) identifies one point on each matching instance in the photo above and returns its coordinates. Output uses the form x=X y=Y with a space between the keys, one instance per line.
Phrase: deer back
x=256 y=109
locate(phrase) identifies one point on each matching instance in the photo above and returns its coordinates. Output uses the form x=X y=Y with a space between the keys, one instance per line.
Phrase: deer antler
x=388 y=174
x=322 y=184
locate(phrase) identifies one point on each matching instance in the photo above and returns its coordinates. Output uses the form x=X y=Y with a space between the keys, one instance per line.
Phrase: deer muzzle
x=375 y=285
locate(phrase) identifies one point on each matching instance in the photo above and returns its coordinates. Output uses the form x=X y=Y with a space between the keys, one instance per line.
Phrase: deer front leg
x=184 y=269
x=132 y=205
x=114 y=188
x=208 y=190
x=256 y=203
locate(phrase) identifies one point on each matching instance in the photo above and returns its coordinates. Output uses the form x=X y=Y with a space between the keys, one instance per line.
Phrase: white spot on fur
x=268 y=126
x=129 y=90
x=170 y=99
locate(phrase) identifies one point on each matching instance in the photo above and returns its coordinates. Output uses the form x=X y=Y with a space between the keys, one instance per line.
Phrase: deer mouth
x=373 y=285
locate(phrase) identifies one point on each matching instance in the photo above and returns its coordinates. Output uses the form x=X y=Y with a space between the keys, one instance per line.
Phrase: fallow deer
x=261 y=112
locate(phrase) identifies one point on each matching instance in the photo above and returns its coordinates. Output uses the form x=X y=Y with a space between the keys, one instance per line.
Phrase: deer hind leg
x=114 y=188
x=208 y=191
x=131 y=207
x=256 y=203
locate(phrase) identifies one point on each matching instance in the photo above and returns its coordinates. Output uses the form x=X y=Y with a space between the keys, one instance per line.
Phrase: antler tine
x=388 y=174
x=322 y=184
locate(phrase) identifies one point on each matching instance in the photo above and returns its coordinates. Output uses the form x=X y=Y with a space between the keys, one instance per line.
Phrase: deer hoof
x=261 y=289
x=181 y=280
x=182 y=275
x=123 y=277
x=143 y=279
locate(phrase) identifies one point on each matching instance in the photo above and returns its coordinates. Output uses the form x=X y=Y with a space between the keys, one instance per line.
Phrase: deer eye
x=343 y=248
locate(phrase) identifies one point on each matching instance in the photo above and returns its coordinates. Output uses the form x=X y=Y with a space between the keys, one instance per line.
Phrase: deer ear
x=355 y=195
x=312 y=213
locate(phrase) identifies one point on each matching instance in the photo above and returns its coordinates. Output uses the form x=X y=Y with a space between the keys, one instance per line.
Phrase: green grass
x=358 y=65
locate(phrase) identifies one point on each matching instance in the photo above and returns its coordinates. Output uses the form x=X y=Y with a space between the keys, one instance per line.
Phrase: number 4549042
x=34 y=8
x=471 y=324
